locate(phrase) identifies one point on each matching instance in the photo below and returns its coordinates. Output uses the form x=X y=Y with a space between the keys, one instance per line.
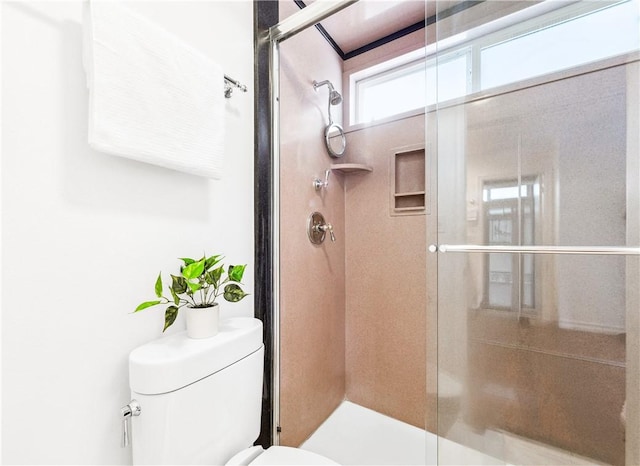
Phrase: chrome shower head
x=334 y=96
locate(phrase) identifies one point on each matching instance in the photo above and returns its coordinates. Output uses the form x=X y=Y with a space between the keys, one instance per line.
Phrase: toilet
x=200 y=400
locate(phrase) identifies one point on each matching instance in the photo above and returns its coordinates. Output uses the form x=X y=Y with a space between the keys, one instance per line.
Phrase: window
x=452 y=79
x=566 y=37
x=562 y=45
x=391 y=92
x=411 y=86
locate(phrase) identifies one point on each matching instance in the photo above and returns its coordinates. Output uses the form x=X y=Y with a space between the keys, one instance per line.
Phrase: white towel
x=152 y=97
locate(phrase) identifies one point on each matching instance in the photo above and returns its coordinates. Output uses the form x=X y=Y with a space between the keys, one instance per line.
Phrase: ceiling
x=366 y=21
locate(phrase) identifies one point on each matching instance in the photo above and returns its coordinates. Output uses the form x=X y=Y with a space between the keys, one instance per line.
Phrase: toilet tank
x=200 y=399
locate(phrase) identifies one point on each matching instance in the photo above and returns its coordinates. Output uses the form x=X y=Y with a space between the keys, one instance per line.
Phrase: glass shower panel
x=538 y=348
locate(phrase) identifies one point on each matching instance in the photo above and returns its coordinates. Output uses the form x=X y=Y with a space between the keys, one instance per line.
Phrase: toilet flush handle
x=132 y=409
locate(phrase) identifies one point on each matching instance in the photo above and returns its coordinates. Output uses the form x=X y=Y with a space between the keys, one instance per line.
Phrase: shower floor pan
x=354 y=435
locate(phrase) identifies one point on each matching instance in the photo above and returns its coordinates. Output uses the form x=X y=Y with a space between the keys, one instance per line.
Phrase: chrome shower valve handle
x=318 y=184
x=317 y=228
x=327 y=227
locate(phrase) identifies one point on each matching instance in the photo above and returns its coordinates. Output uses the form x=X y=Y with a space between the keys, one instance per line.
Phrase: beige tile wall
x=385 y=281
x=312 y=289
x=382 y=289
x=378 y=347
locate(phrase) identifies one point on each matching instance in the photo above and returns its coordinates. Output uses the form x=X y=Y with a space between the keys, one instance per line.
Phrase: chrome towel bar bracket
x=230 y=84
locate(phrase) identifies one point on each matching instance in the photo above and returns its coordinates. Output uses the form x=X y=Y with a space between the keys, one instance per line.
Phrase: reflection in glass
x=509 y=219
x=540 y=343
x=547 y=48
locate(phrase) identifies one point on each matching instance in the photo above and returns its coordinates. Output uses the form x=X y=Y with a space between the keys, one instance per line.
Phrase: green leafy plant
x=199 y=284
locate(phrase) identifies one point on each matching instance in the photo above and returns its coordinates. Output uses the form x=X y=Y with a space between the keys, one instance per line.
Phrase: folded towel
x=152 y=97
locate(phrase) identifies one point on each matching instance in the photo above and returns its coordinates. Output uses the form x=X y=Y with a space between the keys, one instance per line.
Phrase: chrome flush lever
x=319 y=184
x=132 y=409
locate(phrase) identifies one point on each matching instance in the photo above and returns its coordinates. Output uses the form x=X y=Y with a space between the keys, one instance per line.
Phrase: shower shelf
x=413 y=193
x=348 y=168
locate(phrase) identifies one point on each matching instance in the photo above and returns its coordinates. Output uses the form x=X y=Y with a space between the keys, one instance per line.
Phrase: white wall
x=84 y=234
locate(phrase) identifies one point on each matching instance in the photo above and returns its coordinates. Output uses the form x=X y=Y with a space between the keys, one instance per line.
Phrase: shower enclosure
x=483 y=283
x=537 y=269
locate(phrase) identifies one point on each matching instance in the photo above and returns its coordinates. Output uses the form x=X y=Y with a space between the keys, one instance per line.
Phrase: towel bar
x=590 y=250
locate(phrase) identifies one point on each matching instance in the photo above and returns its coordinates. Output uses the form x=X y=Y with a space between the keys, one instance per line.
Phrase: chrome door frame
x=285 y=29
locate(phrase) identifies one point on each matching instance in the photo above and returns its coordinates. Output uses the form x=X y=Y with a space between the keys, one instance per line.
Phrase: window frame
x=505 y=29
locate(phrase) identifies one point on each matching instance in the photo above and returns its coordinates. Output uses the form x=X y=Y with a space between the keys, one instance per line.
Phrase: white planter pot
x=202 y=322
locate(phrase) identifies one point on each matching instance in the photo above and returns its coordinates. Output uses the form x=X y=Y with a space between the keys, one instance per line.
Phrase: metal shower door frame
x=285 y=29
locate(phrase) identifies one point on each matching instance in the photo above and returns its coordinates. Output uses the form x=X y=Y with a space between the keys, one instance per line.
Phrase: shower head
x=334 y=96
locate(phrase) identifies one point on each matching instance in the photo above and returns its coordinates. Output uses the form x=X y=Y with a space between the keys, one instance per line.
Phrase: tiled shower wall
x=312 y=294
x=379 y=348
x=385 y=280
x=352 y=312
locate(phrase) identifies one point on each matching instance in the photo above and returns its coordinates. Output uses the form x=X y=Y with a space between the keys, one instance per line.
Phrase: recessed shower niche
x=407 y=181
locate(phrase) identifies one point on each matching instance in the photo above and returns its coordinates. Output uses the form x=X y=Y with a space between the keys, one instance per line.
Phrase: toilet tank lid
x=175 y=361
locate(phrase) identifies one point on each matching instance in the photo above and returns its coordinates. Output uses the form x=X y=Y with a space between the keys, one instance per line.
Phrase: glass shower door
x=538 y=236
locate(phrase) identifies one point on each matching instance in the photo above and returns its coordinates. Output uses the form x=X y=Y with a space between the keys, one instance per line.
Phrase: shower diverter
x=317 y=228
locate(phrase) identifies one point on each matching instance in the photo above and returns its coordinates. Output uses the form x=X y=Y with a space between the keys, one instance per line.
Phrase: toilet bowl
x=278 y=456
x=200 y=400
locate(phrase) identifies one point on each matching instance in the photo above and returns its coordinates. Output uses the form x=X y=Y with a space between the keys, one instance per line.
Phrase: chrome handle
x=318 y=184
x=125 y=432
x=317 y=228
x=585 y=250
x=132 y=409
x=327 y=227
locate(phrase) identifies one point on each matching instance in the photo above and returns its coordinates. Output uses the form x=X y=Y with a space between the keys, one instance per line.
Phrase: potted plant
x=196 y=289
